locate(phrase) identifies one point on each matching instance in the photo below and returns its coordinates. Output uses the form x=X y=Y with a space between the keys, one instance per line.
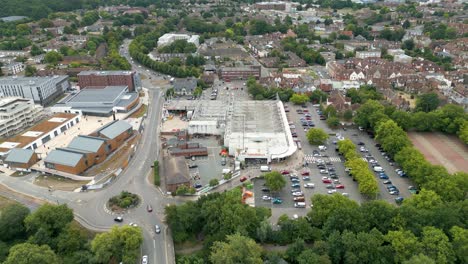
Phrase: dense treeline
x=42 y=8
x=48 y=236
x=395 y=141
x=259 y=92
x=310 y=56
x=337 y=230
x=145 y=43
x=359 y=169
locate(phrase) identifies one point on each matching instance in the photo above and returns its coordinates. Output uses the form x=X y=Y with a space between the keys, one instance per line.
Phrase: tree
x=406 y=24
x=299 y=99
x=35 y=50
x=120 y=244
x=436 y=245
x=427 y=102
x=318 y=96
x=11 y=222
x=425 y=199
x=308 y=256
x=48 y=221
x=237 y=249
x=333 y=122
x=275 y=181
x=404 y=244
x=348 y=115
x=367 y=113
x=325 y=205
x=392 y=137
x=72 y=239
x=27 y=253
x=214 y=182
x=419 y=259
x=30 y=71
x=316 y=136
x=52 y=57
x=460 y=243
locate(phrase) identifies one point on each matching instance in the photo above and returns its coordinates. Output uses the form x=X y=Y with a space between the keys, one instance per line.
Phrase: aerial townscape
x=233 y=132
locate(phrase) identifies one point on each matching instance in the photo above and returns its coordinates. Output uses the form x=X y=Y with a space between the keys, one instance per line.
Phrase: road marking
x=154 y=243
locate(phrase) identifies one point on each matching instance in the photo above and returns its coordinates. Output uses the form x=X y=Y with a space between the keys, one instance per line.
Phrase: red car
x=339 y=186
x=243 y=179
x=305 y=173
x=305 y=111
x=308 y=118
x=326 y=181
x=285 y=172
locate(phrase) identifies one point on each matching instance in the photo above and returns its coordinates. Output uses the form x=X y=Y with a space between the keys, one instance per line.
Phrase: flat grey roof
x=104 y=73
x=91 y=144
x=33 y=81
x=63 y=157
x=19 y=155
x=127 y=99
x=12 y=18
x=114 y=129
x=104 y=95
x=256 y=116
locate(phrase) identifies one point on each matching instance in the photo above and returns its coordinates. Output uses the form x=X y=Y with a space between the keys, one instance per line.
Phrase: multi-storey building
x=12 y=68
x=42 y=90
x=16 y=114
x=109 y=78
x=242 y=73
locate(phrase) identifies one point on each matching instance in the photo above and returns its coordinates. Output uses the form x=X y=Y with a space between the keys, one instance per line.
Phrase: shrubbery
x=157 y=177
x=124 y=200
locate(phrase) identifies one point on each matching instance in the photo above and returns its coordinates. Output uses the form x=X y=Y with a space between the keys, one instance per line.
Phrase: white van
x=265 y=168
x=226 y=171
x=300 y=205
x=322 y=148
x=378 y=169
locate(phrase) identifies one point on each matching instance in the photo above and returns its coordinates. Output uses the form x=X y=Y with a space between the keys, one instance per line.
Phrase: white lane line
x=154 y=243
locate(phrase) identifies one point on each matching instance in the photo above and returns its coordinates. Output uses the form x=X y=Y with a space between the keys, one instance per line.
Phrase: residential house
x=185 y=86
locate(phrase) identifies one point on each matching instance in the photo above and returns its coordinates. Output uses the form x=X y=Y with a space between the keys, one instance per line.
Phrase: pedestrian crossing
x=311 y=159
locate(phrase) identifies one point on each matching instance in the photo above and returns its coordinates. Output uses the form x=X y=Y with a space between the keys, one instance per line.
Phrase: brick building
x=109 y=78
x=239 y=73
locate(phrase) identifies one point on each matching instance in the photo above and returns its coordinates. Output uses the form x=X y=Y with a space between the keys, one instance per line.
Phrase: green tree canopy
x=427 y=102
x=275 y=181
x=237 y=249
x=119 y=244
x=12 y=222
x=316 y=136
x=299 y=99
x=27 y=253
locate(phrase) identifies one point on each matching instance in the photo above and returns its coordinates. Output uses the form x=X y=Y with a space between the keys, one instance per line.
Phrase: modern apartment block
x=42 y=90
x=13 y=68
x=109 y=78
x=16 y=114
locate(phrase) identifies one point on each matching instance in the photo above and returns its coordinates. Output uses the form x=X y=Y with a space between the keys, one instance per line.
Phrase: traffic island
x=123 y=202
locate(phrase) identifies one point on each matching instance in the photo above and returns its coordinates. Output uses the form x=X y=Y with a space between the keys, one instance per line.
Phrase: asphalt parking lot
x=208 y=167
x=351 y=188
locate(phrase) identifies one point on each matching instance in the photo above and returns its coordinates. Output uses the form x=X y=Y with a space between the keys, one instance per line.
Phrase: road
x=89 y=207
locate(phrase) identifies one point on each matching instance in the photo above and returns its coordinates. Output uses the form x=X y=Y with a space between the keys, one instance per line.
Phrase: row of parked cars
x=296 y=191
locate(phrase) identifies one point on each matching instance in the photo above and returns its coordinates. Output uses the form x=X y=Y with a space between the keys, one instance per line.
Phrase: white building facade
x=168 y=38
x=16 y=114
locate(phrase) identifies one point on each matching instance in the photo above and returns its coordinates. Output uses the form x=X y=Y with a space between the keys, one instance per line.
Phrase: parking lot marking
x=311 y=159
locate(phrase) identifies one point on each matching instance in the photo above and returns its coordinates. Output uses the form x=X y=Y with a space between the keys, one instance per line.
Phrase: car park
x=309 y=185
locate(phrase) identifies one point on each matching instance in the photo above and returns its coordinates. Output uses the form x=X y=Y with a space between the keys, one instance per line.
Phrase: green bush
x=124 y=200
x=214 y=182
x=157 y=177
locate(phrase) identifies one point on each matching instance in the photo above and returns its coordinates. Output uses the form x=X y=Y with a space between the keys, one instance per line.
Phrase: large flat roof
x=256 y=117
x=106 y=95
x=13 y=80
x=104 y=73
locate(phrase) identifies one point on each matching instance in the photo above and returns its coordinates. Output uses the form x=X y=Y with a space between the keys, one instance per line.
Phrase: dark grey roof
x=105 y=73
x=114 y=129
x=19 y=155
x=127 y=99
x=91 y=144
x=189 y=84
x=63 y=157
x=104 y=95
x=176 y=170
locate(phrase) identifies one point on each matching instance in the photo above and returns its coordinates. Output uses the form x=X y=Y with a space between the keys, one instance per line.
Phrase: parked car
x=265 y=190
x=306 y=178
x=192 y=166
x=295 y=185
x=285 y=172
x=277 y=201
x=266 y=198
x=300 y=205
x=305 y=173
x=331 y=191
x=323 y=171
x=295 y=180
x=383 y=176
x=340 y=186
x=149 y=208
x=387 y=182
x=144 y=260
x=309 y=185
x=295 y=190
x=299 y=199
x=399 y=200
x=361 y=143
x=243 y=179
x=298 y=194
x=330 y=186
x=327 y=181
